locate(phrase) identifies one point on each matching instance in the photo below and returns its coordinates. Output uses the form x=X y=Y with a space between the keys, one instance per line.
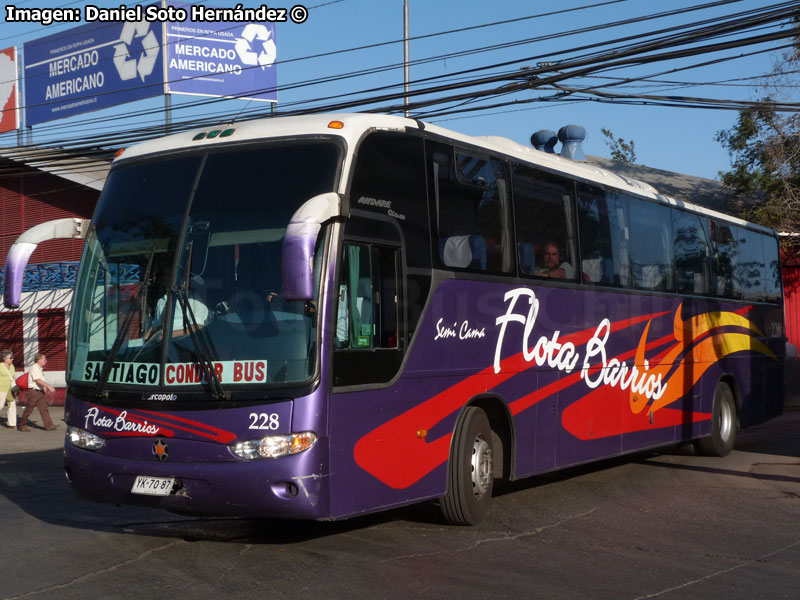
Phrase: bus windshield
x=182 y=268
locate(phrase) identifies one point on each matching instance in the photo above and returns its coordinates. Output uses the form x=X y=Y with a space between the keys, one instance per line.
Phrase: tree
x=764 y=146
x=621 y=151
x=765 y=160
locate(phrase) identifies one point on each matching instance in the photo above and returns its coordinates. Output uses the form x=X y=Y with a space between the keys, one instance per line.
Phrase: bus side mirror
x=21 y=251
x=297 y=260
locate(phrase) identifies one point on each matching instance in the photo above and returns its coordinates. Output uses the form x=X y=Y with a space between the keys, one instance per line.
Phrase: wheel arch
x=503 y=432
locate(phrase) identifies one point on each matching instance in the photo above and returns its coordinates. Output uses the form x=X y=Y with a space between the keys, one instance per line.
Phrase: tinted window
x=723 y=259
x=651 y=246
x=389 y=179
x=126 y=216
x=740 y=268
x=749 y=273
x=542 y=213
x=472 y=211
x=772 y=273
x=604 y=237
x=691 y=254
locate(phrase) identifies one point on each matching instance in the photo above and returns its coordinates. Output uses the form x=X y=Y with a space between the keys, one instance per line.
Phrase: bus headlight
x=84 y=439
x=275 y=446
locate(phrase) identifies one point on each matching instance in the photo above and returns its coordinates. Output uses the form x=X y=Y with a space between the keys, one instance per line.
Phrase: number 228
x=264 y=421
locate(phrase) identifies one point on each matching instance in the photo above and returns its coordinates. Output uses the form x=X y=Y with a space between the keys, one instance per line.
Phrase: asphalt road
x=670 y=525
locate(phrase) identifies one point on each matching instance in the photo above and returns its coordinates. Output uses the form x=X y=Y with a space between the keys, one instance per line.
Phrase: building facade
x=36 y=187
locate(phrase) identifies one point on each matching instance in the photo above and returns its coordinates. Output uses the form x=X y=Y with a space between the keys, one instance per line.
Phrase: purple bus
x=318 y=317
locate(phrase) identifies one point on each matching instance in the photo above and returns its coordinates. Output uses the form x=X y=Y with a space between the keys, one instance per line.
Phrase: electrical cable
x=504 y=91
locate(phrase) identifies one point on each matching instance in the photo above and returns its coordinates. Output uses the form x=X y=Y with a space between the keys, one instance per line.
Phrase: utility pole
x=167 y=97
x=405 y=50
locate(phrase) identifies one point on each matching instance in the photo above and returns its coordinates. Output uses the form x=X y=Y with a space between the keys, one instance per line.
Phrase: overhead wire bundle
x=554 y=76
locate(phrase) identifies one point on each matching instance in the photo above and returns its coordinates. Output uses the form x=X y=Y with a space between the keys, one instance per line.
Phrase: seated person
x=550 y=264
x=198 y=309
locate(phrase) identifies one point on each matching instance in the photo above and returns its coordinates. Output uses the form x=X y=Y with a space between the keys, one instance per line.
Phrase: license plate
x=153 y=486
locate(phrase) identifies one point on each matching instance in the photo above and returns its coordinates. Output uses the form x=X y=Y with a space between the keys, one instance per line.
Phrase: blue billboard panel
x=221 y=59
x=91 y=67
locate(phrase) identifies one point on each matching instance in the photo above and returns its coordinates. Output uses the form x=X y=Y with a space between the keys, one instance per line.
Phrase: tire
x=723 y=424
x=470 y=473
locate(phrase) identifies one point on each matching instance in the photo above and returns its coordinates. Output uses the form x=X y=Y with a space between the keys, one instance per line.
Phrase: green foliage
x=764 y=146
x=621 y=151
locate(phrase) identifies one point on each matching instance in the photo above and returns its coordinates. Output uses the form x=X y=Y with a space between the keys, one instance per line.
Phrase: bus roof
x=355 y=125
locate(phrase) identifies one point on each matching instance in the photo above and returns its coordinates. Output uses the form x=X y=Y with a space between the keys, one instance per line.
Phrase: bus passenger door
x=367 y=347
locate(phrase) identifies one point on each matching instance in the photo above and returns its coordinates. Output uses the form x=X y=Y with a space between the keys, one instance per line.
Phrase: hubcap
x=725 y=421
x=482 y=466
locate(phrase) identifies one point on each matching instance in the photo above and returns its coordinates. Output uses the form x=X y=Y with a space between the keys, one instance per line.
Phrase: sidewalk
x=35 y=440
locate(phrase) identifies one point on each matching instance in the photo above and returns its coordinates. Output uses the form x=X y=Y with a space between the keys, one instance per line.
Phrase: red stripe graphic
x=219 y=435
x=201 y=429
x=396 y=456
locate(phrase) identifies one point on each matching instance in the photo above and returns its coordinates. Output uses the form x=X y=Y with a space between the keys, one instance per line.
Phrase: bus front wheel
x=723 y=424
x=470 y=473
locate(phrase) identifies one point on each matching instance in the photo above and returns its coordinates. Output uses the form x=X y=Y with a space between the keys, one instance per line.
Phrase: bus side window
x=772 y=272
x=604 y=237
x=691 y=254
x=723 y=259
x=651 y=246
x=472 y=211
x=543 y=216
x=749 y=273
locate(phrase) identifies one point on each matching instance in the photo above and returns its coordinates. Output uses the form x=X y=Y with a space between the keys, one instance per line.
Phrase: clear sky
x=676 y=139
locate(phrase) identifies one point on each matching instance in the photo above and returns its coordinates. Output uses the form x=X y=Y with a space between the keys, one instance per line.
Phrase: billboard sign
x=221 y=59
x=9 y=93
x=91 y=67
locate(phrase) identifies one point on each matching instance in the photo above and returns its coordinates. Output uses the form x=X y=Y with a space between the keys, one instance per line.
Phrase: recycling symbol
x=256 y=47
x=128 y=67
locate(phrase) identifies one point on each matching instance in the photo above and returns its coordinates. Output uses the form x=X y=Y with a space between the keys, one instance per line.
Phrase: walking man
x=37 y=387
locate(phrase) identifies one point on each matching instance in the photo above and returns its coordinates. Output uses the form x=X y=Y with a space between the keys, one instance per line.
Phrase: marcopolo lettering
x=163 y=397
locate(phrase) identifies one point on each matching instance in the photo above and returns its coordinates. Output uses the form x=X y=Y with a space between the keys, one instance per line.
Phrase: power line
x=597 y=59
x=344 y=76
x=716 y=3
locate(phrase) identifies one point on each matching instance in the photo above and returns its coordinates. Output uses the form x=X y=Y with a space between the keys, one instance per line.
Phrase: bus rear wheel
x=470 y=474
x=723 y=424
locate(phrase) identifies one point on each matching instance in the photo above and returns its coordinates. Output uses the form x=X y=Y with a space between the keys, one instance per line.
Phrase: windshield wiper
x=99 y=389
x=191 y=325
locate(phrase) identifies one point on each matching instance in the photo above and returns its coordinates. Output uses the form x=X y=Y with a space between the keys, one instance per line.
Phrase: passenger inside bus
x=550 y=263
x=197 y=308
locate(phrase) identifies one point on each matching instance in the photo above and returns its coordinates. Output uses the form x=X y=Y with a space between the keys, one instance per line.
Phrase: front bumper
x=288 y=488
